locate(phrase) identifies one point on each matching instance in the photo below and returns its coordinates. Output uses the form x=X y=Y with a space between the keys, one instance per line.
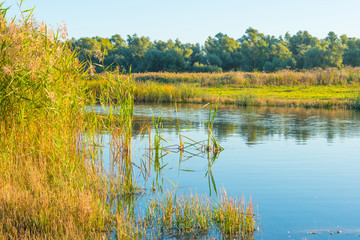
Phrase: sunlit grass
x=315 y=88
x=289 y=92
x=196 y=215
x=330 y=76
x=47 y=187
x=53 y=184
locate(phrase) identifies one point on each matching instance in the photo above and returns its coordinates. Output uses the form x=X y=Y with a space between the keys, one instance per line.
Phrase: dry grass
x=47 y=189
x=330 y=76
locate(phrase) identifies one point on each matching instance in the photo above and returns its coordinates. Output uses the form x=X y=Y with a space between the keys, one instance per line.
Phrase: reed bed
x=314 y=77
x=47 y=189
x=53 y=184
x=144 y=92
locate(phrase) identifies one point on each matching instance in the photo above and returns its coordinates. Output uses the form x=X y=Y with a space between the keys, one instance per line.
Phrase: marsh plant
x=52 y=180
x=213 y=144
x=234 y=217
x=49 y=185
x=198 y=215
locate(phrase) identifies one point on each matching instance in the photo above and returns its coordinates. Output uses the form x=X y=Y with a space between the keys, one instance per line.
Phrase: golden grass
x=330 y=76
x=195 y=215
x=47 y=189
x=52 y=182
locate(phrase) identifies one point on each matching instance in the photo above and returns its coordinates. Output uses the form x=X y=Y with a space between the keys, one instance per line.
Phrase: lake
x=301 y=167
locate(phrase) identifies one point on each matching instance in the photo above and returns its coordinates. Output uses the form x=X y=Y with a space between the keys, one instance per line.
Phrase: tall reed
x=213 y=144
x=49 y=184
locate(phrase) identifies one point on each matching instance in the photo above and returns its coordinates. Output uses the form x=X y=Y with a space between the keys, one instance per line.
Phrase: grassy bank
x=314 y=77
x=316 y=88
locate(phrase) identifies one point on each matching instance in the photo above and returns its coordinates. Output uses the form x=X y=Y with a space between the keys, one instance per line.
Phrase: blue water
x=301 y=167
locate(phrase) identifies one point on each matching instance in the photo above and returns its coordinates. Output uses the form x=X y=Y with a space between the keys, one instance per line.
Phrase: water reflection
x=301 y=166
x=257 y=124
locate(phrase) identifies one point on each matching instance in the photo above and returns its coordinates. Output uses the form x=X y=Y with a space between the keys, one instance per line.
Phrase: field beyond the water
x=312 y=88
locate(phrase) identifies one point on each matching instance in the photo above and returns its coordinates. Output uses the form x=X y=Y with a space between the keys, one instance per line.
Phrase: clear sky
x=194 y=20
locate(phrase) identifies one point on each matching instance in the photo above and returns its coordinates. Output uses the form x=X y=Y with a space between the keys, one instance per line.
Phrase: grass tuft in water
x=196 y=215
x=213 y=145
x=233 y=217
x=181 y=216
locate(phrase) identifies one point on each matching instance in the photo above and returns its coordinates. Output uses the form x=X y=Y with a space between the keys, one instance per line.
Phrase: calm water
x=301 y=167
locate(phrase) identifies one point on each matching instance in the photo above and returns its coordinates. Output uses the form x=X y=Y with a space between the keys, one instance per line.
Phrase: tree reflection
x=257 y=124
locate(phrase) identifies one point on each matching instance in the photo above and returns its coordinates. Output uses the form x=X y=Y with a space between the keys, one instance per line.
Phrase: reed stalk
x=213 y=145
x=50 y=181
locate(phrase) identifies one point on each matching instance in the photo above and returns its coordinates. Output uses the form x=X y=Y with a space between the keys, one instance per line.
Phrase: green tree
x=221 y=51
x=336 y=50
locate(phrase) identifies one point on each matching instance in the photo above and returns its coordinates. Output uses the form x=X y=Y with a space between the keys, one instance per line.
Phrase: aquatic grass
x=157 y=92
x=234 y=218
x=145 y=92
x=180 y=216
x=129 y=228
x=157 y=149
x=197 y=215
x=158 y=126
x=213 y=144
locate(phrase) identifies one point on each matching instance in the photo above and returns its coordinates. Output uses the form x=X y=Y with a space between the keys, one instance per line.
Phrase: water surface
x=301 y=167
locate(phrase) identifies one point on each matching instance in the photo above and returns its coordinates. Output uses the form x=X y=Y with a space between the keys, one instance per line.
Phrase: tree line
x=254 y=51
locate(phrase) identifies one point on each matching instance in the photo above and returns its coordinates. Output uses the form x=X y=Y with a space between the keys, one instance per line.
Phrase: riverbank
x=335 y=93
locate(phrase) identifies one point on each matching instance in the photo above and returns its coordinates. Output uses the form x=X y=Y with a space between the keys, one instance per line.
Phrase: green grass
x=289 y=92
x=312 y=89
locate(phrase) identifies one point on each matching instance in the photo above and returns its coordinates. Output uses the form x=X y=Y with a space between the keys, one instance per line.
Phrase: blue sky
x=194 y=20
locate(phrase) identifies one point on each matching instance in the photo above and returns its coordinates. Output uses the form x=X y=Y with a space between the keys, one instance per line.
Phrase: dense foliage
x=254 y=51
